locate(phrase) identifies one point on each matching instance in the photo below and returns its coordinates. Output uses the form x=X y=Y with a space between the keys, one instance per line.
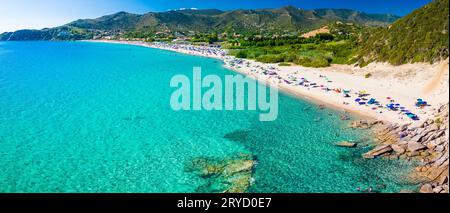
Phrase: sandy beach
x=389 y=94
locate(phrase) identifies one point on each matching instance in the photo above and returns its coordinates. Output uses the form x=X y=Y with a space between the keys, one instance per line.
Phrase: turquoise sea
x=94 y=117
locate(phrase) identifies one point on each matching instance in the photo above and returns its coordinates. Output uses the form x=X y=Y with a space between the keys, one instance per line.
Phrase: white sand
x=405 y=83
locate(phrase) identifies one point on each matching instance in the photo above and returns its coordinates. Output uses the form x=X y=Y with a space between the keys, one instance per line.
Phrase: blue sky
x=37 y=14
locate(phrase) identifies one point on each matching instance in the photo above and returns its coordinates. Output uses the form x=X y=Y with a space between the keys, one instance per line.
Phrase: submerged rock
x=344 y=117
x=239 y=166
x=231 y=174
x=239 y=183
x=238 y=136
x=378 y=151
x=360 y=124
x=346 y=144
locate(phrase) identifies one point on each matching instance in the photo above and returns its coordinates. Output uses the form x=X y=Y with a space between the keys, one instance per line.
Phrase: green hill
x=207 y=21
x=280 y=20
x=421 y=36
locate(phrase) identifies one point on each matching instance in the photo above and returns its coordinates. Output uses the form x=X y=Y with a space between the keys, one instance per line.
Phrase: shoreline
x=395 y=137
x=288 y=91
x=328 y=78
x=308 y=98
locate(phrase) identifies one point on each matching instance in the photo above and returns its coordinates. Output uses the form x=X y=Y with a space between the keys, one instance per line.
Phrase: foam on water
x=91 y=117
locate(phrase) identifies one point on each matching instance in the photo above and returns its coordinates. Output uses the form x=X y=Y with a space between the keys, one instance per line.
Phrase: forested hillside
x=270 y=21
x=421 y=36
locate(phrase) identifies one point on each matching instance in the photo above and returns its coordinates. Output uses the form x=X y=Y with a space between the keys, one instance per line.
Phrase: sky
x=38 y=14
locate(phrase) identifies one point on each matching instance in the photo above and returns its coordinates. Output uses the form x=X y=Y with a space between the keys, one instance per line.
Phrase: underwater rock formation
x=230 y=175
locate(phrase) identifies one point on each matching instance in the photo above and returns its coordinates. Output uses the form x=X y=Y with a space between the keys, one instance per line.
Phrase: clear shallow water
x=91 y=117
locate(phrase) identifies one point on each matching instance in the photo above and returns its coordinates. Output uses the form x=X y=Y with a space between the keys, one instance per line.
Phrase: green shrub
x=254 y=53
x=324 y=37
x=438 y=121
x=304 y=61
x=318 y=61
x=241 y=54
x=290 y=57
x=270 y=58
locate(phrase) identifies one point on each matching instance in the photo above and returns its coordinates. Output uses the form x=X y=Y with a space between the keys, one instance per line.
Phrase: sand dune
x=440 y=78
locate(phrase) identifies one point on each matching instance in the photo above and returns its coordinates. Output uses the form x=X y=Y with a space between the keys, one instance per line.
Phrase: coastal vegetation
x=336 y=46
x=421 y=36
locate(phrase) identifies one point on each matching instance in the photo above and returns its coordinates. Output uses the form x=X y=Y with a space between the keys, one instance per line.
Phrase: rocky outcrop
x=381 y=150
x=425 y=141
x=346 y=144
x=364 y=124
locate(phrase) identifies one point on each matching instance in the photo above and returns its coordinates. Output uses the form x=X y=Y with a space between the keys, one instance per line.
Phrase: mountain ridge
x=282 y=19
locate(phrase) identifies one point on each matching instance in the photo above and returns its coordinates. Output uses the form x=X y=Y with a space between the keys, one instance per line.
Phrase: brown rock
x=437 y=189
x=346 y=144
x=404 y=127
x=426 y=188
x=398 y=149
x=406 y=191
x=376 y=122
x=412 y=154
x=443 y=180
x=360 y=124
x=425 y=154
x=437 y=157
x=417 y=138
x=439 y=148
x=378 y=151
x=439 y=134
x=434 y=127
x=414 y=146
x=439 y=172
x=441 y=160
